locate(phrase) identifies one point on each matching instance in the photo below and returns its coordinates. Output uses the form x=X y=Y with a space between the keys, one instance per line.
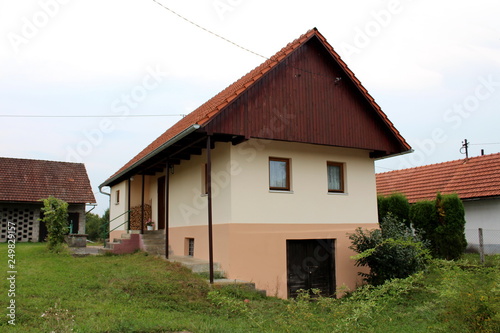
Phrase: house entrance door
x=161 y=202
x=74 y=224
x=310 y=264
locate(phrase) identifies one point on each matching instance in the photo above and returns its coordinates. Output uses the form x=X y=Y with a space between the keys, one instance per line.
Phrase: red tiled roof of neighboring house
x=477 y=177
x=26 y=180
x=217 y=103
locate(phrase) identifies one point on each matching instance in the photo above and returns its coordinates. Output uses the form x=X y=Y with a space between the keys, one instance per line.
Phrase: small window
x=117 y=197
x=190 y=251
x=335 y=177
x=279 y=174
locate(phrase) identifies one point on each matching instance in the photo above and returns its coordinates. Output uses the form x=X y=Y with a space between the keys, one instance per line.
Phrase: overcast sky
x=433 y=67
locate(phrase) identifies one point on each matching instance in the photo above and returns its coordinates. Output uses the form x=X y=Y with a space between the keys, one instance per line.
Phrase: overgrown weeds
x=137 y=293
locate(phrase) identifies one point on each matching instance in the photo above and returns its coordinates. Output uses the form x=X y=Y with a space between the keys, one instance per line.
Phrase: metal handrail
x=109 y=222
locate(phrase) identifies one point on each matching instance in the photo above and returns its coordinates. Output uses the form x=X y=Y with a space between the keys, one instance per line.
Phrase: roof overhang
x=134 y=167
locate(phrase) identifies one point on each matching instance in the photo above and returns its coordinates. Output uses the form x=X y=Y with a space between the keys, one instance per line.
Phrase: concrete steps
x=196 y=265
x=153 y=242
x=128 y=243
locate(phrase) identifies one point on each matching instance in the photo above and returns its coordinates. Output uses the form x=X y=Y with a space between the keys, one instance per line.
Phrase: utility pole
x=465 y=146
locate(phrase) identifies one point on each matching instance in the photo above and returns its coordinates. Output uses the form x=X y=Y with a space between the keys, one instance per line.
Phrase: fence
x=483 y=241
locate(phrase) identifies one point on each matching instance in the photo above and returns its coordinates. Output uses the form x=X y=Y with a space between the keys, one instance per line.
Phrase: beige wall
x=309 y=200
x=252 y=223
x=117 y=209
x=188 y=205
x=257 y=253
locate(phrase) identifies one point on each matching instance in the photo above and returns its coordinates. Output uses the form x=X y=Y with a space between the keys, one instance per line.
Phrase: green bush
x=423 y=217
x=396 y=204
x=449 y=238
x=391 y=252
x=442 y=224
x=55 y=217
x=468 y=296
x=96 y=227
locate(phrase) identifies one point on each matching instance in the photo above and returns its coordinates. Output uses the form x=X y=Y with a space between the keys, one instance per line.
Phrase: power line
x=482 y=144
x=238 y=45
x=88 y=116
x=209 y=31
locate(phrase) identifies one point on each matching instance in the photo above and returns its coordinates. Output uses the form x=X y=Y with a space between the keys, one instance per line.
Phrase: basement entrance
x=310 y=264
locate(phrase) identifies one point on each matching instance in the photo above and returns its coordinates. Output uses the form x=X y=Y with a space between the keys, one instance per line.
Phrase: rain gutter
x=155 y=152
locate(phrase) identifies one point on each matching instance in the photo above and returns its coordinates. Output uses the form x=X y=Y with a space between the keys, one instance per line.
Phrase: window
x=190 y=247
x=335 y=177
x=117 y=197
x=279 y=174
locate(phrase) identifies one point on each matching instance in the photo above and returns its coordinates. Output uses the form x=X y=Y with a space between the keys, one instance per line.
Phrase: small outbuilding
x=24 y=182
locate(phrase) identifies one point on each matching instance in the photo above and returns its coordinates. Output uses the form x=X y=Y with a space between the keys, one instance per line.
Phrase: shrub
x=55 y=217
x=442 y=224
x=449 y=238
x=95 y=226
x=391 y=252
x=396 y=204
x=423 y=218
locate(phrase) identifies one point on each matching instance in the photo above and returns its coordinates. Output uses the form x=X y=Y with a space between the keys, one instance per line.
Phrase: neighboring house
x=476 y=181
x=24 y=182
x=268 y=177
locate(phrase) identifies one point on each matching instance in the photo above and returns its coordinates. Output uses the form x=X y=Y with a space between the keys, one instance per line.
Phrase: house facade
x=24 y=182
x=269 y=177
x=476 y=180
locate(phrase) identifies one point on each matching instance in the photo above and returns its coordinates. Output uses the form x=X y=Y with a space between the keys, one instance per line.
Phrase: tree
x=397 y=204
x=55 y=217
x=95 y=226
x=391 y=251
x=441 y=222
x=449 y=239
x=422 y=218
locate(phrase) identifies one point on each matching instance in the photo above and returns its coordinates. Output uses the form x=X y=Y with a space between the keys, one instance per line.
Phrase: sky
x=432 y=66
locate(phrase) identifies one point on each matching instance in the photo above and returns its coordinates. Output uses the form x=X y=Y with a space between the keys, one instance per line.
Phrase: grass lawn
x=140 y=293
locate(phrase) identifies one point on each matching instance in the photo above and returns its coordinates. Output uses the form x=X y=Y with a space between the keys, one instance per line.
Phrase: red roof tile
x=25 y=180
x=212 y=107
x=475 y=178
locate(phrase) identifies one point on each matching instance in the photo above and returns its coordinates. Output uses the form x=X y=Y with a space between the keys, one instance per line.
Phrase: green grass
x=140 y=293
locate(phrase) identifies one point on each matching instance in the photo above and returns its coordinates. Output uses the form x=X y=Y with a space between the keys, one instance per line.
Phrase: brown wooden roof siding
x=300 y=100
x=25 y=180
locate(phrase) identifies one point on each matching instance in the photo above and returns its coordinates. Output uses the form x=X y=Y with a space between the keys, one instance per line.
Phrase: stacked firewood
x=136 y=214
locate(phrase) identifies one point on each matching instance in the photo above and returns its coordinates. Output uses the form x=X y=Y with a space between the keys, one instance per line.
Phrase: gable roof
x=477 y=177
x=26 y=180
x=208 y=111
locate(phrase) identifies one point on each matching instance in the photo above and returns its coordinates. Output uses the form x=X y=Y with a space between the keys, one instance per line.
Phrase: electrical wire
x=209 y=31
x=483 y=144
x=238 y=45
